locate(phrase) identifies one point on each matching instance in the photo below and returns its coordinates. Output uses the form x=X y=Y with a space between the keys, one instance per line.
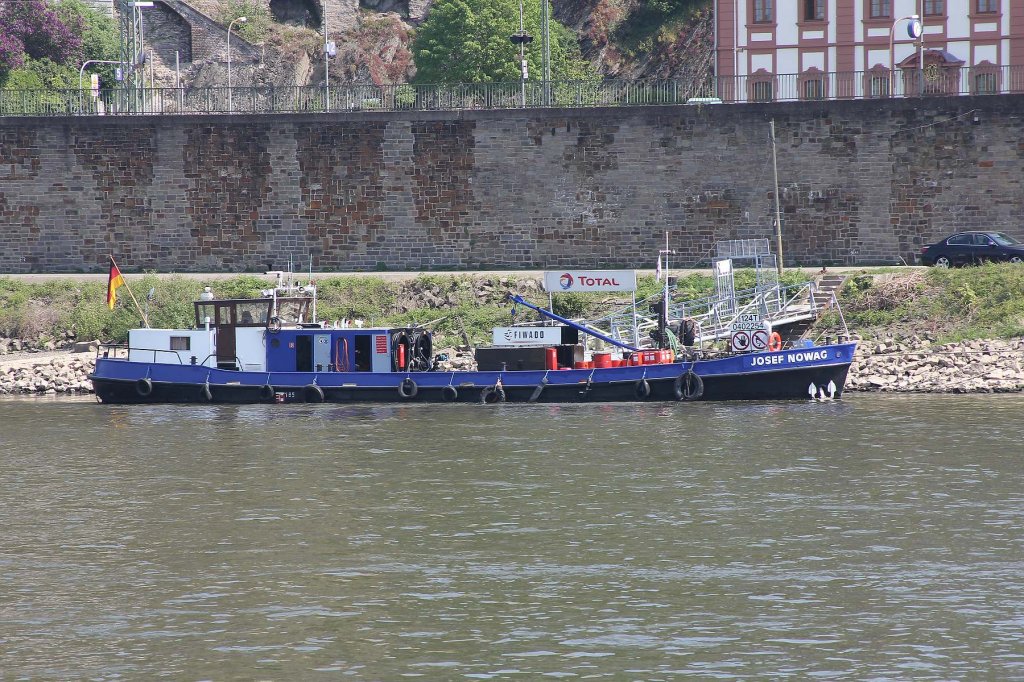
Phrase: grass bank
x=948 y=305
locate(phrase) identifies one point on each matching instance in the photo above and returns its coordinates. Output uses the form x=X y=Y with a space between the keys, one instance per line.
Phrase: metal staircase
x=791 y=311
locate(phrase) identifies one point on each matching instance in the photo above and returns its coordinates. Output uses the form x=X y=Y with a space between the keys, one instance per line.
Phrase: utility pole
x=545 y=31
x=522 y=39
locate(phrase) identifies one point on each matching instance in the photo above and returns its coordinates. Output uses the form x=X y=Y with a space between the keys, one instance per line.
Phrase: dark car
x=971 y=248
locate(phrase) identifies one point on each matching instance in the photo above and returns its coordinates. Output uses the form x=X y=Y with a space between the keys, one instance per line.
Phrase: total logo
x=566 y=281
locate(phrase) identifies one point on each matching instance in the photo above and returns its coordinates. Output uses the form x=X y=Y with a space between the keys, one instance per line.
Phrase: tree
x=32 y=29
x=467 y=41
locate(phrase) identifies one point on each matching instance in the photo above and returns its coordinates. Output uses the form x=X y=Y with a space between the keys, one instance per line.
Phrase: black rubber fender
x=408 y=388
x=642 y=389
x=144 y=387
x=266 y=392
x=449 y=394
x=313 y=393
x=688 y=386
x=492 y=395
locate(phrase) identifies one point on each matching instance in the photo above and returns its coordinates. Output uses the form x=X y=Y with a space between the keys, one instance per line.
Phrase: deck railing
x=811 y=86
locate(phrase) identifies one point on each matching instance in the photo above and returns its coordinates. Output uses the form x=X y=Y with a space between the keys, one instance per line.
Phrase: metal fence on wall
x=311 y=99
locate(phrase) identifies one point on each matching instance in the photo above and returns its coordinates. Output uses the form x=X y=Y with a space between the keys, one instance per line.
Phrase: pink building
x=822 y=49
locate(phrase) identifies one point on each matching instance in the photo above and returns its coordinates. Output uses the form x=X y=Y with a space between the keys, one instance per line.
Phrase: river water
x=879 y=537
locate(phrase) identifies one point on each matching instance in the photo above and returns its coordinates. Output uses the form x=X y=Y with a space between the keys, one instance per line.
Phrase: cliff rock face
x=622 y=38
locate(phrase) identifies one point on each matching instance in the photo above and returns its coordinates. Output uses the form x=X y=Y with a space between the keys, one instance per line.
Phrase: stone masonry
x=861 y=183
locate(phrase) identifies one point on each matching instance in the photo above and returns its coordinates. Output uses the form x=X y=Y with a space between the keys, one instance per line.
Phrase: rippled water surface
x=874 y=538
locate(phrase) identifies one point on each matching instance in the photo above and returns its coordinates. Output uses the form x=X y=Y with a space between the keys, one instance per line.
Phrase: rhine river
x=876 y=538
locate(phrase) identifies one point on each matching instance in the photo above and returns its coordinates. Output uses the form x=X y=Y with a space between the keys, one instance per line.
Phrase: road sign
x=740 y=341
x=759 y=340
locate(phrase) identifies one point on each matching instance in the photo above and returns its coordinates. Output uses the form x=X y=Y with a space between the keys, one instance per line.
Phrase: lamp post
x=81 y=74
x=913 y=30
x=522 y=39
x=329 y=51
x=237 y=20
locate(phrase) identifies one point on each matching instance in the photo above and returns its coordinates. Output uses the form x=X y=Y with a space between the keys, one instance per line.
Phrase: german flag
x=115 y=282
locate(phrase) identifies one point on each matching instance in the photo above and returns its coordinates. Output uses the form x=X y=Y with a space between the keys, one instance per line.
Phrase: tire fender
x=408 y=388
x=144 y=387
x=449 y=394
x=688 y=386
x=313 y=393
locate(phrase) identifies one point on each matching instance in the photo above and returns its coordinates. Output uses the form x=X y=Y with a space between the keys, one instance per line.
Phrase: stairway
x=825 y=287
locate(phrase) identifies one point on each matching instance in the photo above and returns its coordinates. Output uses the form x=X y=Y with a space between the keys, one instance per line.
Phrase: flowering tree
x=32 y=29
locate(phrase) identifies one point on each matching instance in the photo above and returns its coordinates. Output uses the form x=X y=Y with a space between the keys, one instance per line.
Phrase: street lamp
x=522 y=39
x=330 y=50
x=81 y=74
x=237 y=20
x=914 y=31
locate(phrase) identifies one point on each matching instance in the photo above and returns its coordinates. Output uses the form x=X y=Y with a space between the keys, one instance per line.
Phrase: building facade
x=822 y=49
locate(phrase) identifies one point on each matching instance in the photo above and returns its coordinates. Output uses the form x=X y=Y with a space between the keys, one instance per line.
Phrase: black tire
x=205 y=393
x=408 y=388
x=642 y=389
x=266 y=392
x=449 y=394
x=492 y=395
x=144 y=387
x=943 y=261
x=313 y=393
x=688 y=386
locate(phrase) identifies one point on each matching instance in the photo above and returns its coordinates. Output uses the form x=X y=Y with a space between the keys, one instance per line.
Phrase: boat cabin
x=277 y=334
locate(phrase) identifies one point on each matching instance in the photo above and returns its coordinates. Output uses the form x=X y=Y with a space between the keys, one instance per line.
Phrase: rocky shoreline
x=894 y=365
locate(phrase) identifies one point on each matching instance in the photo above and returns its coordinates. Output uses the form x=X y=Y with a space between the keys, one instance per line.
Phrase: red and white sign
x=740 y=341
x=759 y=340
x=557 y=281
x=381 y=344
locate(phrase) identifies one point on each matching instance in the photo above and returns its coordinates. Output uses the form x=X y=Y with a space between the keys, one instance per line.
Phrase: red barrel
x=551 y=358
x=579 y=365
x=603 y=360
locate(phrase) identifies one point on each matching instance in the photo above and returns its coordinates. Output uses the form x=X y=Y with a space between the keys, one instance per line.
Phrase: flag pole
x=145 y=319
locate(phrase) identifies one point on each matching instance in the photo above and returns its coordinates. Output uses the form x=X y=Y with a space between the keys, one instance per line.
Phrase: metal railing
x=875 y=84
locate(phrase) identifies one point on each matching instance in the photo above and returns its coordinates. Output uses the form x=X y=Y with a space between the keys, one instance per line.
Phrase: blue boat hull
x=782 y=375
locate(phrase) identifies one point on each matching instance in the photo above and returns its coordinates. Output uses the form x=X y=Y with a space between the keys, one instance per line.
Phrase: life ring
x=449 y=394
x=266 y=392
x=144 y=387
x=642 y=389
x=275 y=324
x=688 y=386
x=774 y=342
x=408 y=388
x=493 y=394
x=205 y=393
x=313 y=393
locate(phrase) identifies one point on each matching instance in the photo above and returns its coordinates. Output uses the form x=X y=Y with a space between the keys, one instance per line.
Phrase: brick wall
x=861 y=183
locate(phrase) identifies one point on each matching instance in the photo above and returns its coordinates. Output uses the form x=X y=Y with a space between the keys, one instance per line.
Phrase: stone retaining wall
x=861 y=182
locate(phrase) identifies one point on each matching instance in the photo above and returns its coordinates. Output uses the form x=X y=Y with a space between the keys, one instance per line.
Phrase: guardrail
x=811 y=86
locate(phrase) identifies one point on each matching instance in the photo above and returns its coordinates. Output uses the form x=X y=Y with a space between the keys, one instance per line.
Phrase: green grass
x=949 y=305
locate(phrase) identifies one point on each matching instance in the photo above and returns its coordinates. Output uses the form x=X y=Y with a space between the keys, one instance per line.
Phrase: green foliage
x=467 y=41
x=258 y=19
x=101 y=38
x=42 y=74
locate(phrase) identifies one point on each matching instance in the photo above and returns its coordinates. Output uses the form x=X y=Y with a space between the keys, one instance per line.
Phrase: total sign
x=589 y=280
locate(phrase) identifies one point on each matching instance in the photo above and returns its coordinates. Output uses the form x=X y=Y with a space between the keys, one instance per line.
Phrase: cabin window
x=181 y=343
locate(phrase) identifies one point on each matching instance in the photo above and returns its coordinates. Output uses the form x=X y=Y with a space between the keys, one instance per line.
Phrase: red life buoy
x=774 y=342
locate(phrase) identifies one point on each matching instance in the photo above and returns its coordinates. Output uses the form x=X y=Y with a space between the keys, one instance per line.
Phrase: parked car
x=972 y=248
